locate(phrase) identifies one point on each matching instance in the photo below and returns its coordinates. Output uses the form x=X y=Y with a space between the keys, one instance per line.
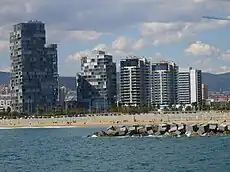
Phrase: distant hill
x=215 y=82
x=68 y=82
x=4 y=78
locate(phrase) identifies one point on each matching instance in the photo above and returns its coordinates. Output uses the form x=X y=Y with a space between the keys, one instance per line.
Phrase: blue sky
x=158 y=29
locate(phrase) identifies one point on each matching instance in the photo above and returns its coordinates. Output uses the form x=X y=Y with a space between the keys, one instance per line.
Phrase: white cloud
x=121 y=43
x=117 y=49
x=139 y=44
x=84 y=35
x=156 y=33
x=4 y=46
x=79 y=35
x=7 y=69
x=78 y=55
x=226 y=55
x=101 y=47
x=201 y=49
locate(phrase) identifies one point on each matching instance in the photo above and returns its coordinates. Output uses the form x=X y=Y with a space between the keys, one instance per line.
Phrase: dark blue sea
x=68 y=150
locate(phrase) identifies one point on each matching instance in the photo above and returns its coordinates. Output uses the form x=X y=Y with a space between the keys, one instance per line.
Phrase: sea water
x=69 y=150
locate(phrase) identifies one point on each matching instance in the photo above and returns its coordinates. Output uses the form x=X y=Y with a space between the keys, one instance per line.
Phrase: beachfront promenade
x=95 y=120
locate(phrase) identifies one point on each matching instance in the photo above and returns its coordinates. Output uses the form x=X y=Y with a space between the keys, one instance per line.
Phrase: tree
x=38 y=109
x=194 y=105
x=8 y=110
x=188 y=108
x=180 y=108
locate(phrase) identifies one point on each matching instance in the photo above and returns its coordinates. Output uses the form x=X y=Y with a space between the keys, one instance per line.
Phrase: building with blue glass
x=164 y=83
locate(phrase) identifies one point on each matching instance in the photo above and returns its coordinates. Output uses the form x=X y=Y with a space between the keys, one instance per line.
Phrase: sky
x=156 y=29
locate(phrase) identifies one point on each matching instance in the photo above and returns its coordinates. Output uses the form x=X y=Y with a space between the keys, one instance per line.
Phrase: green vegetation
x=58 y=112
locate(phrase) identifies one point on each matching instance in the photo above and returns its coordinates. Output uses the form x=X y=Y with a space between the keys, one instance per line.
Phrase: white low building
x=5 y=102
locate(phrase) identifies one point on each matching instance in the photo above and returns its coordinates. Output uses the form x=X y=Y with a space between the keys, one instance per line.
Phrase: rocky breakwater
x=165 y=129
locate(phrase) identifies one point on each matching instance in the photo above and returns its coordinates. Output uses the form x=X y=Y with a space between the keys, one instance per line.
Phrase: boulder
x=102 y=134
x=163 y=128
x=182 y=128
x=141 y=130
x=148 y=127
x=228 y=128
x=212 y=127
x=204 y=128
x=131 y=131
x=173 y=128
x=122 y=131
x=192 y=128
x=111 y=128
x=155 y=128
x=150 y=132
x=222 y=127
x=175 y=133
x=112 y=133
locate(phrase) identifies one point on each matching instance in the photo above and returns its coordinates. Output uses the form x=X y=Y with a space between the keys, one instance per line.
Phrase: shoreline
x=105 y=121
x=104 y=124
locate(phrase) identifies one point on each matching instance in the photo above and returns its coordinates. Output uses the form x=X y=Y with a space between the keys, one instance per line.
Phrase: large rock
x=173 y=128
x=131 y=130
x=148 y=127
x=150 y=132
x=102 y=134
x=222 y=127
x=155 y=128
x=192 y=128
x=228 y=127
x=163 y=128
x=204 y=128
x=141 y=130
x=182 y=128
x=111 y=132
x=212 y=128
x=122 y=131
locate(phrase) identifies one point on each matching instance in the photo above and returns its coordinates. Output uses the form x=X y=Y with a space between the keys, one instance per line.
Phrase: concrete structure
x=164 y=83
x=5 y=98
x=189 y=86
x=34 y=71
x=70 y=100
x=204 y=92
x=96 y=83
x=62 y=96
x=135 y=82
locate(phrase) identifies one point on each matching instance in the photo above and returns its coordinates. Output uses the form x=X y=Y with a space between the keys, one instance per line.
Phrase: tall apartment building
x=135 y=81
x=62 y=96
x=164 y=83
x=189 y=86
x=96 y=83
x=184 y=84
x=204 y=92
x=196 y=86
x=34 y=71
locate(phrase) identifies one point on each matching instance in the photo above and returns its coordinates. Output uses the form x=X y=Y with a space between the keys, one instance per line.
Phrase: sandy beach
x=93 y=120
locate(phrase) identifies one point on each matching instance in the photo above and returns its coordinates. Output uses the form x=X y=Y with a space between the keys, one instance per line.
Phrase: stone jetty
x=165 y=129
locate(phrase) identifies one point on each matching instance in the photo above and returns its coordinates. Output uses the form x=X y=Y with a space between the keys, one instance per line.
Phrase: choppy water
x=67 y=150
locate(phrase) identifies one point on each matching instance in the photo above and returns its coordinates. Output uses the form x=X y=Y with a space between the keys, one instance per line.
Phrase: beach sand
x=201 y=117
